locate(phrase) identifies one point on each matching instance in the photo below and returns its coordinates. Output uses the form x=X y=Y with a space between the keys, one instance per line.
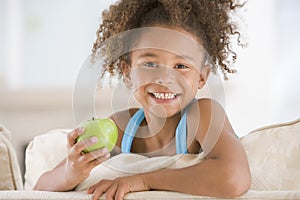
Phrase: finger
x=120 y=193
x=100 y=159
x=94 y=155
x=111 y=192
x=100 y=189
x=97 y=194
x=97 y=161
x=83 y=144
x=71 y=137
x=92 y=189
x=93 y=162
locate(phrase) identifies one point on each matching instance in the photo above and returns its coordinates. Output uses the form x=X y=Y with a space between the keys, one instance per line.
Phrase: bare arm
x=73 y=169
x=220 y=176
x=224 y=173
x=46 y=180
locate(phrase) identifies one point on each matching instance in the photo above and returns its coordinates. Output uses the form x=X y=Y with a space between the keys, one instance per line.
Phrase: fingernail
x=80 y=129
x=105 y=150
x=94 y=139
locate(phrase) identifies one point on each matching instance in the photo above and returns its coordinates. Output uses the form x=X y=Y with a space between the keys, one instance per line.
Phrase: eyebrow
x=148 y=55
x=186 y=57
x=153 y=55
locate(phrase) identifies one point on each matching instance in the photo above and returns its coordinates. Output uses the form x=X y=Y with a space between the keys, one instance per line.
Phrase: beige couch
x=273 y=153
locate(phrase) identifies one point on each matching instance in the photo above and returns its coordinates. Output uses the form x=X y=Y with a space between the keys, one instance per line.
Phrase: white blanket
x=130 y=164
x=49 y=149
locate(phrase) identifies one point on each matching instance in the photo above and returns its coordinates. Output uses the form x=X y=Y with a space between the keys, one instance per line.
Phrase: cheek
x=191 y=82
x=139 y=78
x=139 y=93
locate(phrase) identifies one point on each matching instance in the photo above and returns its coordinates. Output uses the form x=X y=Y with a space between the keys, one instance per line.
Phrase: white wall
x=249 y=94
x=50 y=38
x=287 y=54
x=266 y=89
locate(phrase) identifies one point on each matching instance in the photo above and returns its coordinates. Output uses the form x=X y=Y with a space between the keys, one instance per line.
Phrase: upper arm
x=215 y=133
x=218 y=141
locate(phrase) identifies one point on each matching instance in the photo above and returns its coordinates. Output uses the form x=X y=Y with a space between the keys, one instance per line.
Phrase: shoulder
x=210 y=117
x=204 y=109
x=209 y=105
x=121 y=118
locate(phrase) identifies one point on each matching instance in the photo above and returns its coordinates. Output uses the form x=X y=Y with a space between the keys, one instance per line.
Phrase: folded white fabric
x=44 y=152
x=130 y=164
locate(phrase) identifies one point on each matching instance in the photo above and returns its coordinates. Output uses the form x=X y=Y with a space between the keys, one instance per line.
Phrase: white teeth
x=164 y=95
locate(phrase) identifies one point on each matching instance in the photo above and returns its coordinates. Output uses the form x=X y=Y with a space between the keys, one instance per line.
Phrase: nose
x=164 y=76
x=162 y=82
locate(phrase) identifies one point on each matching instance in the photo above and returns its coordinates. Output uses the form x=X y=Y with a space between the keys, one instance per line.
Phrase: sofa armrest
x=10 y=173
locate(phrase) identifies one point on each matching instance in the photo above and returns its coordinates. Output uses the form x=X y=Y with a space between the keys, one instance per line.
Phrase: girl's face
x=167 y=72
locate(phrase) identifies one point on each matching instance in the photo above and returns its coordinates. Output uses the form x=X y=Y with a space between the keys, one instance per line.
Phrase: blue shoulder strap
x=181 y=132
x=130 y=130
x=181 y=135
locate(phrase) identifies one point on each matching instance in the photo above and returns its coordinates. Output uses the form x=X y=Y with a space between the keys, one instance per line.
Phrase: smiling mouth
x=164 y=96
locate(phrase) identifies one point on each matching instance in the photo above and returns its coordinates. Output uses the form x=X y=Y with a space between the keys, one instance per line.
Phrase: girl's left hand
x=117 y=188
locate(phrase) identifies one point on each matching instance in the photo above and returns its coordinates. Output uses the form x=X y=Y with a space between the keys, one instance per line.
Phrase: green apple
x=104 y=129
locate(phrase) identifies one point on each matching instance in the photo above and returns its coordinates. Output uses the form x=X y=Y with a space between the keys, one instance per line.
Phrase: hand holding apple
x=104 y=129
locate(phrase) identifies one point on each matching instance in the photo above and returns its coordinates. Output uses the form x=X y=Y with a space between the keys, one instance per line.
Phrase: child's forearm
x=210 y=178
x=54 y=181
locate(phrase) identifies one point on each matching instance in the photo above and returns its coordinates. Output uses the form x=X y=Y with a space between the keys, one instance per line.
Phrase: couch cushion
x=273 y=154
x=10 y=174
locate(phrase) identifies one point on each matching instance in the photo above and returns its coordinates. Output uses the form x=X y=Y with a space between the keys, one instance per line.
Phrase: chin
x=164 y=111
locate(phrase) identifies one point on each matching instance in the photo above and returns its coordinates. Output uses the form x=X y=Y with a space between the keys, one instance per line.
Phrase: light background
x=44 y=43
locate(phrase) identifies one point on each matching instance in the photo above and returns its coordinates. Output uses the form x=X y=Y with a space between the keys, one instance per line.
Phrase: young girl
x=169 y=60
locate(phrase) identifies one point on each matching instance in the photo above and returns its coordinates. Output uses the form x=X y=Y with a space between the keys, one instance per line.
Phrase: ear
x=204 y=73
x=125 y=67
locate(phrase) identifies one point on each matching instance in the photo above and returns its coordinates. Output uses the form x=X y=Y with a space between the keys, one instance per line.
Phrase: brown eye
x=181 y=66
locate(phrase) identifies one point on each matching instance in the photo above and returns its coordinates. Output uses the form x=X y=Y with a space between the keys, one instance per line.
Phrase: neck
x=158 y=127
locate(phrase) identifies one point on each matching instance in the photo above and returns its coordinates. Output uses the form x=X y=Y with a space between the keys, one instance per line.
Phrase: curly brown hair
x=208 y=20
